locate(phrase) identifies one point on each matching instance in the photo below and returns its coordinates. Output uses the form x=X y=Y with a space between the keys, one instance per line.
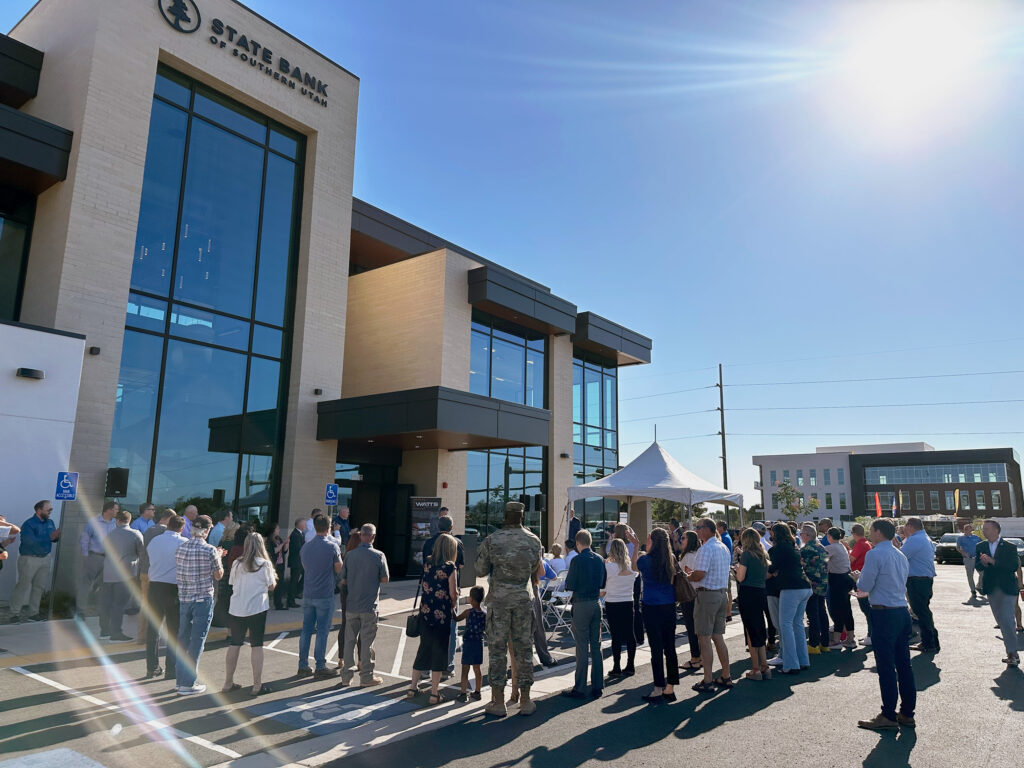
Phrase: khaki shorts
x=709 y=612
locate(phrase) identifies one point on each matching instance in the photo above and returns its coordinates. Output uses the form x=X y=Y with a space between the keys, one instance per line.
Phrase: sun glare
x=905 y=70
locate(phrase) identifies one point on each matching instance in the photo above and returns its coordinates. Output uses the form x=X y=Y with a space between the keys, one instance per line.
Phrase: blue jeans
x=792 y=605
x=451 y=647
x=316 y=616
x=890 y=639
x=194 y=619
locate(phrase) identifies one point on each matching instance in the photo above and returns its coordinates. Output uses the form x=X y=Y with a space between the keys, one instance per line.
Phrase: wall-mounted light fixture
x=31 y=373
x=563 y=455
x=318 y=391
x=94 y=350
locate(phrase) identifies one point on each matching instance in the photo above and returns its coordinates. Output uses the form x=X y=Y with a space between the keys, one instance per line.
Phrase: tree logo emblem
x=183 y=15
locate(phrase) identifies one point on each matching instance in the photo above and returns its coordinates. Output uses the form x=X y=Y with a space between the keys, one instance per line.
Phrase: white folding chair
x=561 y=609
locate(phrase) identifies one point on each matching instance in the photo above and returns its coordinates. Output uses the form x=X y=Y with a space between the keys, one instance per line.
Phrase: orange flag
x=878 y=506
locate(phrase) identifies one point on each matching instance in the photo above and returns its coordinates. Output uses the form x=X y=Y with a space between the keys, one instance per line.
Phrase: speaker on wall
x=117 y=482
x=540 y=502
x=524 y=499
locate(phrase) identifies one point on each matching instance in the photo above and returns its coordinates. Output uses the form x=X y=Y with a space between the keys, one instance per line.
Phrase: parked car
x=946 y=550
x=1019 y=544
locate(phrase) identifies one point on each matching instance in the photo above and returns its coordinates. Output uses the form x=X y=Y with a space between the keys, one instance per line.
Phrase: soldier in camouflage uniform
x=510 y=557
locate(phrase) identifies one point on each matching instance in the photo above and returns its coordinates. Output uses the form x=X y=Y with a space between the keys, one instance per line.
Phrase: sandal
x=704 y=686
x=232 y=688
x=263 y=690
x=692 y=664
x=435 y=699
x=410 y=693
x=753 y=675
x=724 y=682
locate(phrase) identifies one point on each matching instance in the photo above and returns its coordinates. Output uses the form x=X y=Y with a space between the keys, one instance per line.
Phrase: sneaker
x=866 y=642
x=776 y=662
x=14 y=618
x=150 y=674
x=824 y=648
x=463 y=697
x=325 y=674
x=195 y=689
x=304 y=672
x=878 y=723
x=475 y=696
x=121 y=639
x=836 y=646
x=850 y=642
x=906 y=722
x=371 y=681
x=813 y=650
x=37 y=617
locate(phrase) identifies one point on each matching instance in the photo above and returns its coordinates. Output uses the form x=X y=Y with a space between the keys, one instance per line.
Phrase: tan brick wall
x=428 y=470
x=560 y=434
x=98 y=72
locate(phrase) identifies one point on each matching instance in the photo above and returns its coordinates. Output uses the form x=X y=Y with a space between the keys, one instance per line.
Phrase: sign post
x=331 y=495
x=67 y=490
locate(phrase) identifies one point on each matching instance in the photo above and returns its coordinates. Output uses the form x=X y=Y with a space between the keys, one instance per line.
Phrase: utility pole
x=721 y=413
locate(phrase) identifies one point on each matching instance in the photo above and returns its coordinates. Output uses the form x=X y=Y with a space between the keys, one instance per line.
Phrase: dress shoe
x=572 y=693
x=304 y=672
x=325 y=674
x=595 y=693
x=906 y=722
x=154 y=673
x=878 y=723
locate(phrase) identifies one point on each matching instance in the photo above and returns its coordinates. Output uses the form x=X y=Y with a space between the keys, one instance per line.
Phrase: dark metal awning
x=613 y=341
x=33 y=153
x=431 y=417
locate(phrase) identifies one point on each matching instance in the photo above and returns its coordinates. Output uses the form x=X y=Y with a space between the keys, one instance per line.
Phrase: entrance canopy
x=654 y=474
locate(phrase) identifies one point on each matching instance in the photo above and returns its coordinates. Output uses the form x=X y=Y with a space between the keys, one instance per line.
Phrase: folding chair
x=561 y=609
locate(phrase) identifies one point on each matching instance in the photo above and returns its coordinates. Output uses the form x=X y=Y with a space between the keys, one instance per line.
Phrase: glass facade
x=595 y=429
x=199 y=413
x=936 y=474
x=507 y=362
x=498 y=476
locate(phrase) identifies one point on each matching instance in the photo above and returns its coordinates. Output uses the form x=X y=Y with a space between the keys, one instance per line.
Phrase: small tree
x=792 y=502
x=179 y=10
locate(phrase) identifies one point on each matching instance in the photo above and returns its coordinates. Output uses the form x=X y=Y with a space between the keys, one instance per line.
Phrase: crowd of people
x=794 y=586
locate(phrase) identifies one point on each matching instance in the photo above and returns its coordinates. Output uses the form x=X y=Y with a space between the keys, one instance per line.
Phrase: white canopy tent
x=654 y=474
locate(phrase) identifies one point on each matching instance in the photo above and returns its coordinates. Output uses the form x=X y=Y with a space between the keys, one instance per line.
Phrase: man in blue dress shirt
x=586 y=578
x=37 y=536
x=146 y=518
x=883 y=582
x=93 y=554
x=967 y=544
x=920 y=553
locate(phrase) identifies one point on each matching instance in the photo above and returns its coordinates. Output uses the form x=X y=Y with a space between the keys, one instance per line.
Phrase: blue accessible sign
x=331 y=495
x=67 y=486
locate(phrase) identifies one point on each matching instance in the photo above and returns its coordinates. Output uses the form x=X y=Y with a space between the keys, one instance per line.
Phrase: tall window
x=919 y=500
x=904 y=499
x=828 y=501
x=775 y=501
x=814 y=477
x=979 y=500
x=199 y=416
x=785 y=474
x=774 y=478
x=842 y=501
x=841 y=476
x=933 y=500
x=828 y=477
x=800 y=478
x=594 y=435
x=507 y=362
x=498 y=476
x=965 y=501
x=949 y=501
x=997 y=500
x=15 y=222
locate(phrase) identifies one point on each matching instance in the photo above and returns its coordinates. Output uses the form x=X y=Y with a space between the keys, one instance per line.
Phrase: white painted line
x=330 y=653
x=397 y=666
x=147 y=723
x=273 y=643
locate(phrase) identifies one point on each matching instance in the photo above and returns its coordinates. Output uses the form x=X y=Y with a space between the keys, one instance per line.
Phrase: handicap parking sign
x=331 y=495
x=67 y=486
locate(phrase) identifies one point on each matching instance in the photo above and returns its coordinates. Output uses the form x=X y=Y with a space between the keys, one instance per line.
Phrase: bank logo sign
x=183 y=15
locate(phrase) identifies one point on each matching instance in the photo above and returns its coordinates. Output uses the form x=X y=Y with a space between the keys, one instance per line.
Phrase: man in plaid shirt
x=198 y=567
x=710 y=576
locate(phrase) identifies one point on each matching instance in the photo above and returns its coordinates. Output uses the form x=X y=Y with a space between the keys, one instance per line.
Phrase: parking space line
x=147 y=722
x=273 y=643
x=396 y=667
x=334 y=650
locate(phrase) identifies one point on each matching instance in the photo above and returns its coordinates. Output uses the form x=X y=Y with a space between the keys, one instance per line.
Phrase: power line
x=875 y=405
x=662 y=394
x=877 y=378
x=862 y=434
x=668 y=415
x=667 y=439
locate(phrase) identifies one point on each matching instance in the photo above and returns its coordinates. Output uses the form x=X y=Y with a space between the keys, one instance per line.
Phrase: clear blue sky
x=797 y=190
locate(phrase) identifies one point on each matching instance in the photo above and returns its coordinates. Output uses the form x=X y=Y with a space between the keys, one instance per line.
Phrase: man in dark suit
x=295 y=541
x=997 y=562
x=574 y=527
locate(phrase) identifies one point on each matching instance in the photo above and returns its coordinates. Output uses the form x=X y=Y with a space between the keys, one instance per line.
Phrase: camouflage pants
x=511 y=622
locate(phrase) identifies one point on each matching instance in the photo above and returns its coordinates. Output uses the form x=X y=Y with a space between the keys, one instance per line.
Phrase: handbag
x=413 y=623
x=685 y=593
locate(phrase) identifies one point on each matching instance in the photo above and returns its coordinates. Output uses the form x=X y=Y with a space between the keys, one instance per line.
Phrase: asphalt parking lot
x=99 y=710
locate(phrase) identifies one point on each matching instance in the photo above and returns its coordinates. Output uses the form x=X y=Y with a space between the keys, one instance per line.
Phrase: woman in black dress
x=440 y=591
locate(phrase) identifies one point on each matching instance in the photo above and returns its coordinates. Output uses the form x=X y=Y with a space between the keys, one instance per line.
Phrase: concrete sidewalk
x=63 y=640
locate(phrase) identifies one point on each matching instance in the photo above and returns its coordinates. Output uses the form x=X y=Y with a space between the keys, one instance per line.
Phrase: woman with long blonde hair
x=252 y=577
x=753 y=600
x=440 y=590
x=618 y=605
